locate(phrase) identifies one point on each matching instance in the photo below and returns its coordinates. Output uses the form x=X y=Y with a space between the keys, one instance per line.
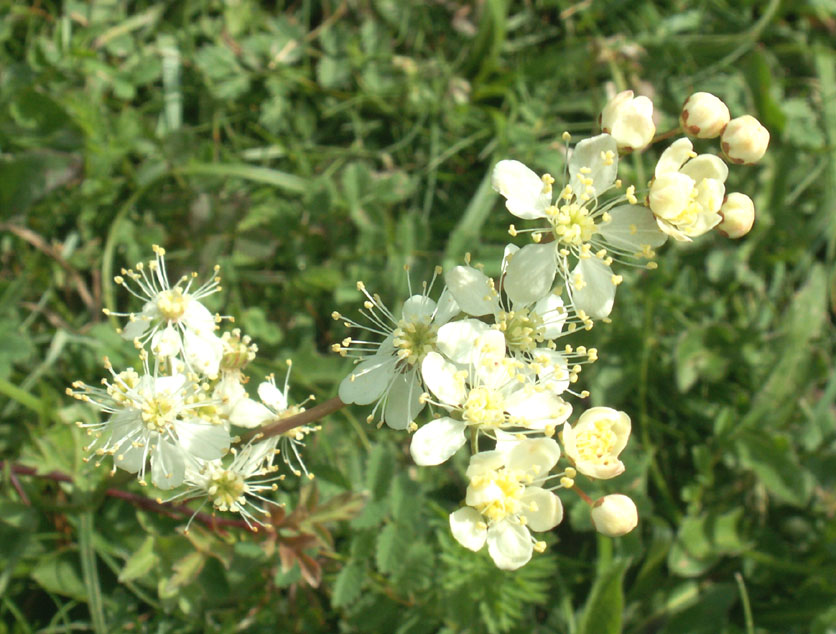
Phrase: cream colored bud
x=704 y=115
x=744 y=140
x=738 y=213
x=614 y=515
x=629 y=120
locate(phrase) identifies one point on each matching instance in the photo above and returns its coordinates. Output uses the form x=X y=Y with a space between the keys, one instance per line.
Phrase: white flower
x=505 y=501
x=595 y=441
x=704 y=115
x=688 y=191
x=237 y=486
x=614 y=515
x=388 y=371
x=493 y=393
x=629 y=120
x=172 y=319
x=744 y=140
x=274 y=406
x=738 y=213
x=589 y=232
x=156 y=418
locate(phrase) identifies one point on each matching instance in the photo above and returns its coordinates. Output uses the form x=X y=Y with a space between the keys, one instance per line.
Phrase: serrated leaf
x=602 y=613
x=392 y=543
x=141 y=562
x=186 y=571
x=379 y=469
x=775 y=463
x=61 y=574
x=348 y=585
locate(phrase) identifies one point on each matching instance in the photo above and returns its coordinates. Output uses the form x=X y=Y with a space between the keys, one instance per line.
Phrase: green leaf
x=379 y=470
x=186 y=571
x=348 y=584
x=61 y=574
x=282 y=180
x=602 y=613
x=392 y=543
x=773 y=460
x=141 y=562
x=28 y=177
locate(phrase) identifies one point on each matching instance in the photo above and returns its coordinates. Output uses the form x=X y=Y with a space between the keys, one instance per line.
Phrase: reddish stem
x=582 y=495
x=292 y=422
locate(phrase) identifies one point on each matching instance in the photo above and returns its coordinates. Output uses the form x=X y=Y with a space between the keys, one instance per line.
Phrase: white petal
x=198 y=318
x=510 y=250
x=440 y=377
x=166 y=342
x=472 y=291
x=468 y=528
x=522 y=189
x=403 y=402
x=538 y=408
x=588 y=154
x=534 y=455
x=203 y=353
x=706 y=166
x=168 y=466
x=485 y=461
x=597 y=293
x=530 y=273
x=202 y=440
x=418 y=308
x=632 y=227
x=249 y=413
x=130 y=458
x=272 y=396
x=368 y=380
x=168 y=384
x=509 y=545
x=554 y=372
x=436 y=441
x=674 y=157
x=553 y=312
x=545 y=510
x=456 y=338
x=447 y=308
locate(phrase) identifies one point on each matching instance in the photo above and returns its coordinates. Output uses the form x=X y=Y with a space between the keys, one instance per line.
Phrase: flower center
x=596 y=445
x=504 y=489
x=157 y=413
x=484 y=407
x=414 y=339
x=226 y=490
x=172 y=304
x=523 y=330
x=573 y=224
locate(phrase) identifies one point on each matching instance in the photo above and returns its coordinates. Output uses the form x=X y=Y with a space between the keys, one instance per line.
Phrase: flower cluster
x=173 y=418
x=488 y=358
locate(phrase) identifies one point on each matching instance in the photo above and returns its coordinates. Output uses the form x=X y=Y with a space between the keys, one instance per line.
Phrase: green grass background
x=306 y=145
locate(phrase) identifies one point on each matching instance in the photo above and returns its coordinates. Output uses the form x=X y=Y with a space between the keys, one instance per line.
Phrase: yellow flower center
x=596 y=444
x=172 y=304
x=157 y=413
x=226 y=490
x=414 y=339
x=523 y=330
x=484 y=407
x=509 y=489
x=573 y=224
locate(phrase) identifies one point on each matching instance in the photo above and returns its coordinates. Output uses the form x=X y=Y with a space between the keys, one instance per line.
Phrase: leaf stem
x=291 y=422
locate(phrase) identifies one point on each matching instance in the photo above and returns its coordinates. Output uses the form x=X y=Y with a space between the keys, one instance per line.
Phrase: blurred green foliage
x=306 y=145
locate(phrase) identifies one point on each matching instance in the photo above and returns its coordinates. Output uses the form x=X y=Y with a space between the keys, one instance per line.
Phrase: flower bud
x=614 y=515
x=704 y=115
x=744 y=140
x=629 y=120
x=738 y=213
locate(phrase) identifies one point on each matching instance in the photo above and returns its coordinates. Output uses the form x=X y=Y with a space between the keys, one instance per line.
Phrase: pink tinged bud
x=704 y=116
x=629 y=120
x=744 y=140
x=614 y=515
x=738 y=213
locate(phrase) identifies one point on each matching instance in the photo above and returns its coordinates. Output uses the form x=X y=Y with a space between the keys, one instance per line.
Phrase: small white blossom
x=704 y=116
x=688 y=191
x=738 y=213
x=614 y=515
x=506 y=501
x=629 y=120
x=745 y=140
x=595 y=441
